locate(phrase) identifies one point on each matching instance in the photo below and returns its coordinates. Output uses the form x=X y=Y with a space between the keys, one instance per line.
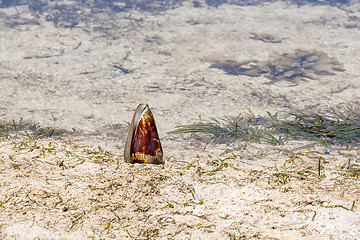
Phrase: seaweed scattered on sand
x=219 y=131
x=299 y=65
x=29 y=129
x=248 y=128
x=334 y=128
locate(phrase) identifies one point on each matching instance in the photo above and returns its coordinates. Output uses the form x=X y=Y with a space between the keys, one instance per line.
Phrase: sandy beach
x=84 y=70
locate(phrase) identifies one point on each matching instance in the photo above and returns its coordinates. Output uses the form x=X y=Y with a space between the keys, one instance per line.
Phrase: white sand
x=78 y=87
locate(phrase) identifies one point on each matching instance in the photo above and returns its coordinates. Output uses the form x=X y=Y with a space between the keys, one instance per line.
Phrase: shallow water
x=84 y=66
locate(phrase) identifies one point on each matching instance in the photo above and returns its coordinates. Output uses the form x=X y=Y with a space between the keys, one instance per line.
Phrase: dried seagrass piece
x=143 y=143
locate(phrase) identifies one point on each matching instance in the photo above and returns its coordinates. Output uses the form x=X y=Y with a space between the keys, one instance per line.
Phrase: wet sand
x=89 y=78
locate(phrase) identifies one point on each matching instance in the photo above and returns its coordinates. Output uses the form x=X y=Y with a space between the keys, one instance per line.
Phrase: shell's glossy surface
x=143 y=143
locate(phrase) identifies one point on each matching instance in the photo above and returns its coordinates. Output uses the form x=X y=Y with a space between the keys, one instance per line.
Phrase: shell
x=143 y=144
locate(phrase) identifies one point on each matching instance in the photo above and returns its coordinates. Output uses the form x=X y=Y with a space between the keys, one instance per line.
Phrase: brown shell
x=143 y=143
